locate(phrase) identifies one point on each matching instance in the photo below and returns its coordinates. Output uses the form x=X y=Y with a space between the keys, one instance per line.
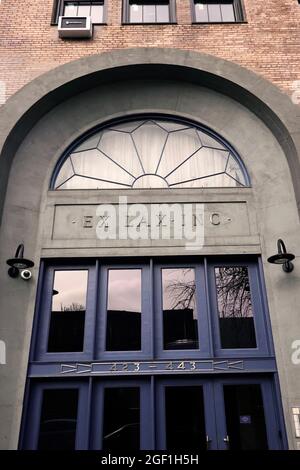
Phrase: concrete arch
x=28 y=105
x=42 y=119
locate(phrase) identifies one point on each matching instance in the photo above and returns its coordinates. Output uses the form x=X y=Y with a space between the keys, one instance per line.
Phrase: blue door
x=152 y=354
x=122 y=418
x=211 y=414
x=185 y=415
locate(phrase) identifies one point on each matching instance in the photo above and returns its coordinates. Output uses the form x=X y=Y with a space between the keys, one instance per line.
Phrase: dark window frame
x=90 y=416
x=239 y=11
x=91 y=387
x=126 y=14
x=101 y=322
x=152 y=324
x=261 y=320
x=34 y=399
x=203 y=321
x=58 y=7
x=43 y=314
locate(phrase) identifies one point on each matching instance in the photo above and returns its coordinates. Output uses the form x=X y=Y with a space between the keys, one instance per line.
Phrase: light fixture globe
x=282 y=257
x=18 y=262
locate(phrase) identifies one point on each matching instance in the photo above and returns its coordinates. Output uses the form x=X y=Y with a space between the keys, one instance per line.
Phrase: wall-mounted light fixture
x=283 y=258
x=18 y=263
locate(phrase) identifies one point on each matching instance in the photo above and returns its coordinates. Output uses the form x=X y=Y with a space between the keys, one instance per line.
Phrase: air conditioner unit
x=75 y=27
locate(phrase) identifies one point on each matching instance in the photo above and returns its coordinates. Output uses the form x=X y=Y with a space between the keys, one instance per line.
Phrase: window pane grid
x=122 y=321
x=142 y=12
x=93 y=9
x=213 y=12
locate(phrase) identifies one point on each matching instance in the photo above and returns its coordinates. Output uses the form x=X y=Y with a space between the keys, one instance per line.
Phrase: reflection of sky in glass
x=124 y=290
x=72 y=288
x=178 y=288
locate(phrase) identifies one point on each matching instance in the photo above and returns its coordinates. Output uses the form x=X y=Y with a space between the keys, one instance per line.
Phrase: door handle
x=208 y=441
x=226 y=440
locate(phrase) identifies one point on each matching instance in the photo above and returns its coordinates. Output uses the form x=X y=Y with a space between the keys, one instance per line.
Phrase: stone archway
x=46 y=106
x=272 y=106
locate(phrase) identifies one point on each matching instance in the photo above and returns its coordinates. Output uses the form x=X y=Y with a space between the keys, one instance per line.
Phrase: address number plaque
x=152 y=367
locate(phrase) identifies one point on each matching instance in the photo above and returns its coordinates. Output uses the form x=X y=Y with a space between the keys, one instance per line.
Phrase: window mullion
x=208 y=18
x=238 y=11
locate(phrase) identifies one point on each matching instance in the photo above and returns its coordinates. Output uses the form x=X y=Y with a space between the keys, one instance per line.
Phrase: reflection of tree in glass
x=233 y=290
x=181 y=292
x=73 y=307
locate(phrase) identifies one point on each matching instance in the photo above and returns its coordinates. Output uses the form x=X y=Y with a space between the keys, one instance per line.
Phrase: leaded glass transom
x=152 y=153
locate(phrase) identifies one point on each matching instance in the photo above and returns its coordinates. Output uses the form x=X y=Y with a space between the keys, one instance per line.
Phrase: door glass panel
x=121 y=426
x=180 y=326
x=124 y=308
x=185 y=422
x=58 y=420
x=66 y=332
x=245 y=417
x=236 y=319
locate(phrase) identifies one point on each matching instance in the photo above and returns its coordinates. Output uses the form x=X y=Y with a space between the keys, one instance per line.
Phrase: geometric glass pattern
x=151 y=153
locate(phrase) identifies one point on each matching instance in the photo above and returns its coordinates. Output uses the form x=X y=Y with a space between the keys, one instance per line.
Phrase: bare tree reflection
x=73 y=307
x=181 y=291
x=180 y=316
x=233 y=290
x=236 y=322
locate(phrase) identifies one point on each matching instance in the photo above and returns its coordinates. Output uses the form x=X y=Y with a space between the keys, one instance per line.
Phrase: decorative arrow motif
x=239 y=365
x=82 y=368
x=66 y=368
x=123 y=368
x=225 y=365
x=220 y=365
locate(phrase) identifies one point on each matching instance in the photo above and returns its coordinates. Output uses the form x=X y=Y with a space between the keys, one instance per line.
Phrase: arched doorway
x=46 y=226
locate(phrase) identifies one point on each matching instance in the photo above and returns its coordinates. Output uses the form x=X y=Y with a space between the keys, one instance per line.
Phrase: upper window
x=149 y=11
x=94 y=9
x=212 y=11
x=150 y=154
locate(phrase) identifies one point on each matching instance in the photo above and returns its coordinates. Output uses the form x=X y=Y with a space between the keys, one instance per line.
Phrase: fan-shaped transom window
x=151 y=153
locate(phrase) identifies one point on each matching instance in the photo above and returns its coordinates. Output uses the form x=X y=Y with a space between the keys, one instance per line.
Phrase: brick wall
x=269 y=43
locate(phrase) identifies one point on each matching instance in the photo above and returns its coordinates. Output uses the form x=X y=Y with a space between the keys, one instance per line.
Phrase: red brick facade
x=267 y=43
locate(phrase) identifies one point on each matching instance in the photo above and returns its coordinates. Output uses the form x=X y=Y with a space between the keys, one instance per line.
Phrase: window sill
x=199 y=23
x=94 y=24
x=126 y=23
